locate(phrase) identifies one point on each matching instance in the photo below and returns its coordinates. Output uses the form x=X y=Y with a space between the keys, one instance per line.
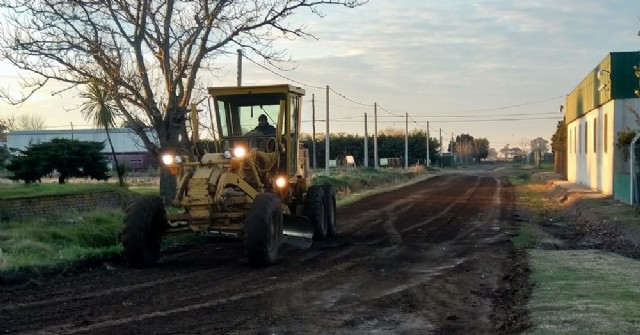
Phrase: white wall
x=595 y=169
x=592 y=167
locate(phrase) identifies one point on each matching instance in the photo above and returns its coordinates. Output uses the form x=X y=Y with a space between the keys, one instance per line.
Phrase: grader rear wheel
x=331 y=213
x=144 y=221
x=314 y=209
x=263 y=230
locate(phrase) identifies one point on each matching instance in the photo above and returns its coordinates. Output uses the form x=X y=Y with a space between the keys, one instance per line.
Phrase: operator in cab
x=264 y=127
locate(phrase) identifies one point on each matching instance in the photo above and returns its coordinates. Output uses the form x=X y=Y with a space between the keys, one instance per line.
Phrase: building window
x=595 y=136
x=569 y=140
x=586 y=137
x=605 y=139
x=572 y=141
x=579 y=139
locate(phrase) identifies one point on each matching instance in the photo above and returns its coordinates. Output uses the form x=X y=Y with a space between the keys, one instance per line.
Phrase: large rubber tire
x=331 y=213
x=314 y=209
x=144 y=222
x=263 y=230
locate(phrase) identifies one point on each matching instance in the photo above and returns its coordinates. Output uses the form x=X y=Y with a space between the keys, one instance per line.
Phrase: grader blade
x=297 y=231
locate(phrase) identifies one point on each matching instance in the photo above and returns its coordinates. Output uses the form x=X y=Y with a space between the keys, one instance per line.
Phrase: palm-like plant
x=100 y=110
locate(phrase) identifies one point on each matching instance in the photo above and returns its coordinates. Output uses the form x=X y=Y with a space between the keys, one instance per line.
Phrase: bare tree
x=540 y=145
x=149 y=55
x=19 y=122
x=505 y=151
x=22 y=122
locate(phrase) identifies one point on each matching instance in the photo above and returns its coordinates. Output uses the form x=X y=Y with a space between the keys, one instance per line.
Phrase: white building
x=128 y=146
x=601 y=106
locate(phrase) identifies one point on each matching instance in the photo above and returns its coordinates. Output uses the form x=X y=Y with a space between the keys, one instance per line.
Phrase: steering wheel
x=272 y=145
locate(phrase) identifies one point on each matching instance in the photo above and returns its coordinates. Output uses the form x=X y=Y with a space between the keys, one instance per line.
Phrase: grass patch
x=528 y=236
x=56 y=240
x=59 y=241
x=145 y=190
x=364 y=179
x=584 y=292
x=21 y=190
x=575 y=291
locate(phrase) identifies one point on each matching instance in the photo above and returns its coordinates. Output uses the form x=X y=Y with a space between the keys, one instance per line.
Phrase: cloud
x=434 y=57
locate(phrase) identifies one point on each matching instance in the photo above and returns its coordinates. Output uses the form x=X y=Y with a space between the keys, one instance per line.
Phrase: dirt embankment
x=576 y=217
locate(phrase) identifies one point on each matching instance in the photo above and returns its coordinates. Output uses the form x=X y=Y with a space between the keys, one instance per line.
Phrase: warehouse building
x=128 y=146
x=604 y=104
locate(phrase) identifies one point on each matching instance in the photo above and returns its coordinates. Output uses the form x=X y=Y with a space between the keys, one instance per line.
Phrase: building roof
x=614 y=78
x=123 y=139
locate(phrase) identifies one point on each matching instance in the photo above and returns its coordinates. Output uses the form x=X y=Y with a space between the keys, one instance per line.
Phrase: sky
x=493 y=69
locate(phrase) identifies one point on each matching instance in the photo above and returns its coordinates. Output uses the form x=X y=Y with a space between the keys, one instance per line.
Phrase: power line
x=280 y=75
x=478 y=115
x=348 y=99
x=396 y=115
x=307 y=85
x=506 y=107
x=350 y=120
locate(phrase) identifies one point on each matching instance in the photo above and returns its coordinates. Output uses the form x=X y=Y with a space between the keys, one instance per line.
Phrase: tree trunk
x=115 y=159
x=168 y=184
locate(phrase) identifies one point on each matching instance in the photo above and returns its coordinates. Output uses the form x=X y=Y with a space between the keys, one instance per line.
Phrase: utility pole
x=72 y=130
x=375 y=135
x=239 y=67
x=428 y=160
x=406 y=141
x=441 y=147
x=326 y=149
x=451 y=149
x=366 y=143
x=313 y=124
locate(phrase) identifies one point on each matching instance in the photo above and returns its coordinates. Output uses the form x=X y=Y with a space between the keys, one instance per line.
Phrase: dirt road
x=431 y=258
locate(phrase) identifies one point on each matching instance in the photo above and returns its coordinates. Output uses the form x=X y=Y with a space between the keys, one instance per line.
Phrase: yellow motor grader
x=257 y=188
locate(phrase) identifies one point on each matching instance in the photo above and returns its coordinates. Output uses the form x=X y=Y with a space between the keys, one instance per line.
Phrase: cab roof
x=240 y=90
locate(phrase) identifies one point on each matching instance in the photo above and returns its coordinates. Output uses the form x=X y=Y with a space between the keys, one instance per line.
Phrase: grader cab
x=257 y=188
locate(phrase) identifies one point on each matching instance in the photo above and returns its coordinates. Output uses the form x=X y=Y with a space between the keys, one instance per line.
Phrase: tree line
x=389 y=146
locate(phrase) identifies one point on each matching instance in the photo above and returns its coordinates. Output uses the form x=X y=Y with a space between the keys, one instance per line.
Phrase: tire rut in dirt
x=428 y=278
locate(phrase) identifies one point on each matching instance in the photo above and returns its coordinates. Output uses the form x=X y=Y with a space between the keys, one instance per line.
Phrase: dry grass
x=577 y=291
x=584 y=292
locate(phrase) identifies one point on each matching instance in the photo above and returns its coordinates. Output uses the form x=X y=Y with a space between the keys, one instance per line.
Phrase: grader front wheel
x=144 y=221
x=314 y=209
x=263 y=230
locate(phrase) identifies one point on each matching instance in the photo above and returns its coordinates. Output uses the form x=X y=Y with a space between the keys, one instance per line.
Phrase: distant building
x=602 y=105
x=128 y=146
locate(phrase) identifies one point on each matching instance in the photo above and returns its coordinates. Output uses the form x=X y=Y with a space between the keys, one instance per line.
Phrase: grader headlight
x=281 y=182
x=168 y=159
x=239 y=152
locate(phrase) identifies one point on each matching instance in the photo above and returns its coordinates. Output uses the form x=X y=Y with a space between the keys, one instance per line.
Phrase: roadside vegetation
x=19 y=190
x=37 y=245
x=578 y=286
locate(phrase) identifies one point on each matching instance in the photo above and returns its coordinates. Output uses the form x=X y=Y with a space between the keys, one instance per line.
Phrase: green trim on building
x=618 y=81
